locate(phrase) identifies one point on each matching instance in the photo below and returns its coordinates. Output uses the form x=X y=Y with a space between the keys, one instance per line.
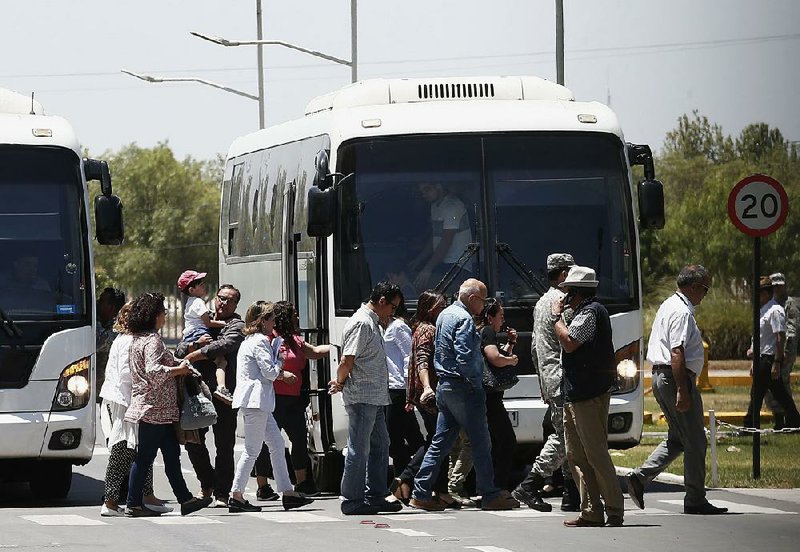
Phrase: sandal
x=401 y=490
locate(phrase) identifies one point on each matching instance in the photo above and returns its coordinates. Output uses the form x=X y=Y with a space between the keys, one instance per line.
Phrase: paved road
x=759 y=520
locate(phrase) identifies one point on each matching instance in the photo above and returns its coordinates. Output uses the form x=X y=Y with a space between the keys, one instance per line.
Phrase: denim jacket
x=458 y=346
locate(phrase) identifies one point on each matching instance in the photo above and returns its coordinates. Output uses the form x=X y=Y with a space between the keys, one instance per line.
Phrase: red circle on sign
x=774 y=184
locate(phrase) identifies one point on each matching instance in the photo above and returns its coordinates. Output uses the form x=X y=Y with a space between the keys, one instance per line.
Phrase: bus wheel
x=51 y=480
x=327 y=469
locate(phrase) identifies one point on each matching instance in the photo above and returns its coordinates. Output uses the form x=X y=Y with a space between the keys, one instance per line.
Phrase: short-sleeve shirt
x=397 y=342
x=192 y=315
x=448 y=213
x=583 y=326
x=368 y=382
x=675 y=326
x=772 y=321
x=792 y=319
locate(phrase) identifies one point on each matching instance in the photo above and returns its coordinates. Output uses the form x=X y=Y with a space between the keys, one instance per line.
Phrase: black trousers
x=290 y=415
x=762 y=380
x=405 y=438
x=218 y=476
x=504 y=440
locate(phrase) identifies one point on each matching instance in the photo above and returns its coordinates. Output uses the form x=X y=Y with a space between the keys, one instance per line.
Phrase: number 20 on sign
x=758 y=205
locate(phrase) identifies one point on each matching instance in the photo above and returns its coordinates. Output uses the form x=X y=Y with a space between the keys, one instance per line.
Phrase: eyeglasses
x=224 y=300
x=705 y=287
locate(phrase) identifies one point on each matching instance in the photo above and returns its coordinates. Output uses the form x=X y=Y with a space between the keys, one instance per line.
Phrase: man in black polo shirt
x=589 y=376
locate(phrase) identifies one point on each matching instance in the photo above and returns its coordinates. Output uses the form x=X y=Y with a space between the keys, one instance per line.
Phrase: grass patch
x=779 y=453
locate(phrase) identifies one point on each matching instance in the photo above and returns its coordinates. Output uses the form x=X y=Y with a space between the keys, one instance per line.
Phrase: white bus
x=47 y=299
x=534 y=171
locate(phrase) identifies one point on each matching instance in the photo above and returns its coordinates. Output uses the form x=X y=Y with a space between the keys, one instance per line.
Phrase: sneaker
x=290 y=502
x=503 y=501
x=239 y=506
x=429 y=504
x=160 y=508
x=222 y=394
x=636 y=490
x=105 y=511
x=307 y=487
x=266 y=493
x=194 y=504
x=220 y=503
x=139 y=511
x=533 y=499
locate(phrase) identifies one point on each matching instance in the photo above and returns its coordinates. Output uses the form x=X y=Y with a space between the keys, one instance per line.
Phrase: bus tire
x=327 y=469
x=51 y=480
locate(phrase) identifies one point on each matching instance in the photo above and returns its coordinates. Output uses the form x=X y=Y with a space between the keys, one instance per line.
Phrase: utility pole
x=560 y=42
x=260 y=57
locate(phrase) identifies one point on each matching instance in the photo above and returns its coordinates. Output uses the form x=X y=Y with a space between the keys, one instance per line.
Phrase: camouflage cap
x=778 y=279
x=559 y=260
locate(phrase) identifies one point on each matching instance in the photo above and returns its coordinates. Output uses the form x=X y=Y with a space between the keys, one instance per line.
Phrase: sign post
x=758 y=206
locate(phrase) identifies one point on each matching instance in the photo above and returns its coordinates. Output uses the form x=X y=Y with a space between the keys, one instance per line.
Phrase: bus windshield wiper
x=8 y=325
x=533 y=280
x=451 y=274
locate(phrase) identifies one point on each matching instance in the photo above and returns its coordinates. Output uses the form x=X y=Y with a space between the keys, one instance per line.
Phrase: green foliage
x=726 y=323
x=171 y=213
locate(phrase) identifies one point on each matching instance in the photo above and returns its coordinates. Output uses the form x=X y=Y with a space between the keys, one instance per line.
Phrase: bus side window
x=234 y=210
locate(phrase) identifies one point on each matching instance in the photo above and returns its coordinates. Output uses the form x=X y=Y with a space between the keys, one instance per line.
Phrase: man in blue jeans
x=364 y=381
x=461 y=401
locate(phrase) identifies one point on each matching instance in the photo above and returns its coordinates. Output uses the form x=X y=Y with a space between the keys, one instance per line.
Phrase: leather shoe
x=503 y=501
x=290 y=502
x=614 y=521
x=581 y=522
x=636 y=490
x=388 y=507
x=194 y=504
x=429 y=504
x=706 y=509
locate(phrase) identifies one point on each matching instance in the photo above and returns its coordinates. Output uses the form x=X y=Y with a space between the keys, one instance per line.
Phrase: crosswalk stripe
x=488 y=548
x=177 y=519
x=525 y=513
x=293 y=517
x=737 y=508
x=408 y=532
x=63 y=519
x=414 y=516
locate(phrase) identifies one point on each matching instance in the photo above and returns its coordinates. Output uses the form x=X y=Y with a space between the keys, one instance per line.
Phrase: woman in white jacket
x=258 y=364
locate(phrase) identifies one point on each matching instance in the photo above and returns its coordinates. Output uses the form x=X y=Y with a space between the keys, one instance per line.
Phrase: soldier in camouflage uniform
x=790 y=351
x=546 y=355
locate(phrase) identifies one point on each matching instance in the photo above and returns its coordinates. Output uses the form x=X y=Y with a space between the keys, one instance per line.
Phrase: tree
x=698 y=138
x=171 y=212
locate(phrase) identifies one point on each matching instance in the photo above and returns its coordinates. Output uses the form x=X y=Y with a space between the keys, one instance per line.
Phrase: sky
x=733 y=60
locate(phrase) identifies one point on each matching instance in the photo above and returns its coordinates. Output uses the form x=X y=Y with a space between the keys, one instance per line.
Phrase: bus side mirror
x=108 y=220
x=98 y=170
x=321 y=212
x=651 y=205
x=322 y=172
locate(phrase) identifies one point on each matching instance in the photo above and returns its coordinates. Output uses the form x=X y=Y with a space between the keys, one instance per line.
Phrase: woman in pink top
x=154 y=405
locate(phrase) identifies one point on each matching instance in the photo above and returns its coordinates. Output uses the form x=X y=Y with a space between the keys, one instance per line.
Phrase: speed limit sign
x=758 y=205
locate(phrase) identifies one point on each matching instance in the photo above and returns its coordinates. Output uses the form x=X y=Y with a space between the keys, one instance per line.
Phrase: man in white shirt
x=676 y=351
x=772 y=331
x=780 y=295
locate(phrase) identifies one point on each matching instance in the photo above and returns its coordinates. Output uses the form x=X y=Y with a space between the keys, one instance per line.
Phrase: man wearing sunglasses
x=676 y=352
x=217 y=478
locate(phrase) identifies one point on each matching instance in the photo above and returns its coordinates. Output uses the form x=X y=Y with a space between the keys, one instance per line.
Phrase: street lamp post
x=149 y=78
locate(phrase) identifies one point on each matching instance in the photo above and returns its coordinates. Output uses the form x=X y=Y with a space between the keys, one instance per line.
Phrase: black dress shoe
x=706 y=509
x=239 y=506
x=360 y=510
x=290 y=502
x=194 y=504
x=140 y=511
x=388 y=507
x=266 y=493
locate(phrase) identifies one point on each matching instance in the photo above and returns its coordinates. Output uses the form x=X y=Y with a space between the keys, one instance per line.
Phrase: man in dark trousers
x=217 y=479
x=589 y=377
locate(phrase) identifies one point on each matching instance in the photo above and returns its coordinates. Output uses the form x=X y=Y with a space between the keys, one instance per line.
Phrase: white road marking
x=425 y=516
x=525 y=513
x=736 y=508
x=180 y=520
x=292 y=517
x=409 y=532
x=650 y=512
x=489 y=548
x=63 y=519
x=100 y=451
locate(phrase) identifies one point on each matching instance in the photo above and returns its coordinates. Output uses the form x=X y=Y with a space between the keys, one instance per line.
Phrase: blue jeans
x=460 y=405
x=367 y=455
x=153 y=437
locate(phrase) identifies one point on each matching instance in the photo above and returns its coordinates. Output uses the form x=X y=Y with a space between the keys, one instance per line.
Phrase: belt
x=662 y=367
x=770 y=356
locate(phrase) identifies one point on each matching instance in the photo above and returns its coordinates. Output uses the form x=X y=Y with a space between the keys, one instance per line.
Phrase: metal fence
x=174 y=303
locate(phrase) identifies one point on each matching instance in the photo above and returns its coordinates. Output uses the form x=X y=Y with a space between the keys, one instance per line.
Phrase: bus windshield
x=491 y=206
x=44 y=274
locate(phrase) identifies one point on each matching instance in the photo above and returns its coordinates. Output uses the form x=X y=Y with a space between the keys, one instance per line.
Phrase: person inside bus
x=450 y=235
x=24 y=273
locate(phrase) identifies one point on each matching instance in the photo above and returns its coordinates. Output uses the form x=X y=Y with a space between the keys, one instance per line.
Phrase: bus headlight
x=74 y=390
x=628 y=360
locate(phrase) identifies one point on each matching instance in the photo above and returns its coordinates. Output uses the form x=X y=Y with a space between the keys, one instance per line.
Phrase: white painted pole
x=353 y=40
x=260 y=62
x=712 y=427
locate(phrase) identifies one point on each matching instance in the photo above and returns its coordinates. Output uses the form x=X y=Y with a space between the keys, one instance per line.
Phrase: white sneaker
x=105 y=511
x=160 y=508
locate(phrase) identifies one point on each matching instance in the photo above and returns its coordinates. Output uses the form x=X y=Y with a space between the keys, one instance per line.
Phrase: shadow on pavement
x=85 y=491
